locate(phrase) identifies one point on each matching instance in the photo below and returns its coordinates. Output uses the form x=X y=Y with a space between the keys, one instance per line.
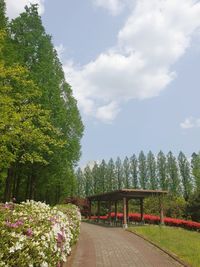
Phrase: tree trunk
x=8 y=185
x=18 y=180
x=32 y=187
x=28 y=187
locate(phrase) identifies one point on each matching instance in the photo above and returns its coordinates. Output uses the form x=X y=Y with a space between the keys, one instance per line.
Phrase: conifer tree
x=37 y=54
x=126 y=173
x=151 y=171
x=110 y=176
x=173 y=176
x=80 y=183
x=89 y=188
x=195 y=165
x=142 y=167
x=134 y=171
x=119 y=173
x=102 y=176
x=162 y=171
x=184 y=168
x=95 y=175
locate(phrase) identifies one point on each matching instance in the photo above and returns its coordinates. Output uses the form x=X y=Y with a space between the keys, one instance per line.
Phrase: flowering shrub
x=152 y=219
x=34 y=234
x=74 y=216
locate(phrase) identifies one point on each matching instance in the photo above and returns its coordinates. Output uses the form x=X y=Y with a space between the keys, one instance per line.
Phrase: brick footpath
x=113 y=247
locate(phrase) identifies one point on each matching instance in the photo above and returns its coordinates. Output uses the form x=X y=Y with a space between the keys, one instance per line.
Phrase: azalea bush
x=74 y=216
x=34 y=234
x=153 y=219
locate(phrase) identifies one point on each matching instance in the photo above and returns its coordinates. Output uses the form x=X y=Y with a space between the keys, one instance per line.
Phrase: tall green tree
x=162 y=171
x=134 y=171
x=110 y=176
x=126 y=173
x=3 y=19
x=142 y=167
x=151 y=171
x=89 y=185
x=195 y=165
x=119 y=173
x=27 y=135
x=80 y=183
x=36 y=52
x=173 y=175
x=95 y=175
x=102 y=176
x=184 y=168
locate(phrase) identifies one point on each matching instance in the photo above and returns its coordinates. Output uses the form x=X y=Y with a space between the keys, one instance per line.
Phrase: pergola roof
x=128 y=193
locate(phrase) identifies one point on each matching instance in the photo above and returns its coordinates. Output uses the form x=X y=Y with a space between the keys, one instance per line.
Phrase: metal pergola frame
x=125 y=195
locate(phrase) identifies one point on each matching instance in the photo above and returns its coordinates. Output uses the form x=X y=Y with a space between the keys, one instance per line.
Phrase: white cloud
x=190 y=122
x=15 y=7
x=114 y=6
x=108 y=112
x=155 y=35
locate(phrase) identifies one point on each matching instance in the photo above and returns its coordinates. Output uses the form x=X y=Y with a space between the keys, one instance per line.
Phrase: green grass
x=184 y=244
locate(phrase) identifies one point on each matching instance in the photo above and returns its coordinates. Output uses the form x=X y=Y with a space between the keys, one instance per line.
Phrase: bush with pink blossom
x=34 y=234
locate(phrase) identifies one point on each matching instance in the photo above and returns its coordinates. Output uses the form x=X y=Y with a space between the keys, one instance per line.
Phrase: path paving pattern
x=113 y=247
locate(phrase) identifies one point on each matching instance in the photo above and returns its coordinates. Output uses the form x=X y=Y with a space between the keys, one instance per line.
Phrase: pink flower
x=14 y=225
x=29 y=232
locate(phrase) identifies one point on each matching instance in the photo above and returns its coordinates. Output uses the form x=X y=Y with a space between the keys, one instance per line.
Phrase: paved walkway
x=113 y=247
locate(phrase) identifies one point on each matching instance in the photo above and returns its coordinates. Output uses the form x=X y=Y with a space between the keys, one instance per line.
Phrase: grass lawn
x=185 y=244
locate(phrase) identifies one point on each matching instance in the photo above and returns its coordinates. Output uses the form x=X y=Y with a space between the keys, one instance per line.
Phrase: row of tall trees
x=40 y=124
x=178 y=175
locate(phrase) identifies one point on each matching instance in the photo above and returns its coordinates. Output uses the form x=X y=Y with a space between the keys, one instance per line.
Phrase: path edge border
x=162 y=249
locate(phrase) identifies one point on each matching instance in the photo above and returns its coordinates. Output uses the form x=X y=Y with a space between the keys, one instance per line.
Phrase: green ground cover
x=183 y=243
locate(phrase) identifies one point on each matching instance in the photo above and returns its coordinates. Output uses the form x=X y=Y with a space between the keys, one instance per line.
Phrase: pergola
x=125 y=195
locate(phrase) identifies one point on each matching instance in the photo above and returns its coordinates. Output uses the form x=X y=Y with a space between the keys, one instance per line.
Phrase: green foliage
x=3 y=19
x=162 y=171
x=151 y=171
x=134 y=171
x=142 y=166
x=40 y=124
x=126 y=173
x=193 y=207
x=173 y=206
x=110 y=175
x=172 y=173
x=184 y=168
x=196 y=169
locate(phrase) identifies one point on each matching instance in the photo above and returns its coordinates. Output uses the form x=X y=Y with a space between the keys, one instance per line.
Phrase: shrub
x=34 y=234
x=193 y=207
x=73 y=213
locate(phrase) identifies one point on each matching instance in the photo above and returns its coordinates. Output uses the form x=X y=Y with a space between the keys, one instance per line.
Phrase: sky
x=134 y=69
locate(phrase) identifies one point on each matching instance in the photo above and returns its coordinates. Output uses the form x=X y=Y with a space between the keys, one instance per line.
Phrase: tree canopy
x=40 y=124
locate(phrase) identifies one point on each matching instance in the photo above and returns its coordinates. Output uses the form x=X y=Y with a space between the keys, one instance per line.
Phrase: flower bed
x=152 y=219
x=34 y=234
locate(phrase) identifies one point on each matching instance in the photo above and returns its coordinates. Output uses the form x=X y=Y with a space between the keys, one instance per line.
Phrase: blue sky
x=134 y=68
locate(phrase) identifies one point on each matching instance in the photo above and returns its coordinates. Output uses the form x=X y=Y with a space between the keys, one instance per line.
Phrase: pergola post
x=90 y=209
x=98 y=210
x=161 y=210
x=142 y=209
x=125 y=215
x=109 y=212
x=115 y=211
x=127 y=210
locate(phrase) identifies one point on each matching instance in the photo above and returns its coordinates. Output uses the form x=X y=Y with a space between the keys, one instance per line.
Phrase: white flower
x=12 y=249
x=18 y=246
x=44 y=264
